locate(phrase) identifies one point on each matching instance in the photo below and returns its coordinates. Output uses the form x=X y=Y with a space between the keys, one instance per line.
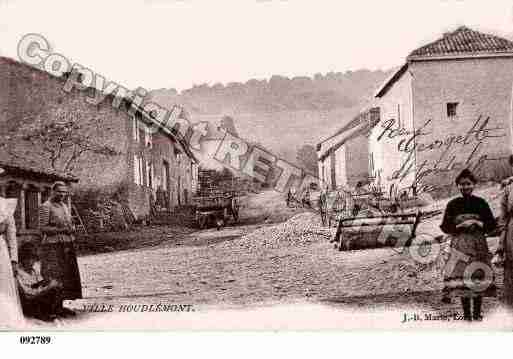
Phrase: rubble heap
x=302 y=229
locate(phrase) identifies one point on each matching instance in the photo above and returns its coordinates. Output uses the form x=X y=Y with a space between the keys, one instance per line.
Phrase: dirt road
x=214 y=268
x=218 y=274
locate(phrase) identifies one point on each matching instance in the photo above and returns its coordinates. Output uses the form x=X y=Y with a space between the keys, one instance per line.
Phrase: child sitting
x=39 y=297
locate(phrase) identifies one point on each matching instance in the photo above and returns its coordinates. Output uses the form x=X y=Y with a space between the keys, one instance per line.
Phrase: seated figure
x=39 y=297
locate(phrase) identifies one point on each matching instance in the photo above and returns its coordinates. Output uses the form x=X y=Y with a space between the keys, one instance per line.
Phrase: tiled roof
x=32 y=167
x=359 y=126
x=355 y=121
x=464 y=41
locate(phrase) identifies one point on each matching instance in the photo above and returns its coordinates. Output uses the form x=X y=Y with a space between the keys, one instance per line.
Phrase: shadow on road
x=426 y=300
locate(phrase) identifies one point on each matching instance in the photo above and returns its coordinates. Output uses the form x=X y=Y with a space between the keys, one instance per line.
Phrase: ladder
x=75 y=216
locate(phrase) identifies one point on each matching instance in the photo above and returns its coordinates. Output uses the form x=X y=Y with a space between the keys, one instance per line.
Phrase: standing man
x=289 y=197
x=306 y=198
x=59 y=259
x=323 y=206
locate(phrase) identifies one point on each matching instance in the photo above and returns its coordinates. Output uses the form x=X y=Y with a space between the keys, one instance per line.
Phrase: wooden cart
x=216 y=210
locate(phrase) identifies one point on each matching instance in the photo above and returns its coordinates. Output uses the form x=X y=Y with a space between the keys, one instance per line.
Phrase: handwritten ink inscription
x=421 y=141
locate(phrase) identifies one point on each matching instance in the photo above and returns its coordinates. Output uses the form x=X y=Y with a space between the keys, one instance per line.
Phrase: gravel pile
x=300 y=230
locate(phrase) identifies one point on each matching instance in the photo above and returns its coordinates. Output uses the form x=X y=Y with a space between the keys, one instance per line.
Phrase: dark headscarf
x=466 y=173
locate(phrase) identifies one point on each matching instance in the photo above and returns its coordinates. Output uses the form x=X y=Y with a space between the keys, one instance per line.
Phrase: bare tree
x=307 y=158
x=63 y=140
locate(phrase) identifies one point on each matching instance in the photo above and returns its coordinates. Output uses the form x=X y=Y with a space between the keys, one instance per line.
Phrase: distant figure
x=289 y=197
x=356 y=209
x=233 y=208
x=353 y=200
x=323 y=206
x=161 y=198
x=359 y=189
x=306 y=198
x=467 y=219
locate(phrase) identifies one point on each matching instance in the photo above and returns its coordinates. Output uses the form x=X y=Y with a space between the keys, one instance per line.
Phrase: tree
x=63 y=141
x=307 y=158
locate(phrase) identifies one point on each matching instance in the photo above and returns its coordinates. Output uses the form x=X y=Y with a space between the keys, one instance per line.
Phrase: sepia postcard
x=273 y=165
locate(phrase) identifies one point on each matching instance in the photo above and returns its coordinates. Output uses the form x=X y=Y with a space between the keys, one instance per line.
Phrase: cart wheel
x=219 y=224
x=202 y=222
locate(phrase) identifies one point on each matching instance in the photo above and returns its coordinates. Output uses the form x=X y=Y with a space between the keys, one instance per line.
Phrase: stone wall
x=482 y=88
x=163 y=151
x=395 y=115
x=357 y=159
x=339 y=162
x=28 y=95
x=478 y=136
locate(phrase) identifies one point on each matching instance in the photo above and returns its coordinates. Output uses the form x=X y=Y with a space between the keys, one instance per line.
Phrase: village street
x=252 y=265
x=228 y=273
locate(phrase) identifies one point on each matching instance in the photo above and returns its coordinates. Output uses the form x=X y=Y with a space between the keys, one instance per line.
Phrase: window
x=452 y=109
x=177 y=154
x=148 y=141
x=142 y=131
x=149 y=174
x=31 y=207
x=135 y=129
x=138 y=170
x=165 y=175
x=141 y=170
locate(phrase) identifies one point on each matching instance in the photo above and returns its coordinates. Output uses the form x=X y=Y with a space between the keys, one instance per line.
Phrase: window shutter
x=147 y=137
x=134 y=128
x=136 y=169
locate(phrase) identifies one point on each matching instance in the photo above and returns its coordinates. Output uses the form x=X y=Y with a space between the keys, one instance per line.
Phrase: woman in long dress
x=11 y=314
x=58 y=256
x=468 y=273
x=505 y=249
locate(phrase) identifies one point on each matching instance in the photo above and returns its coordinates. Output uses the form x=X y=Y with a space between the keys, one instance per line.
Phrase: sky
x=180 y=43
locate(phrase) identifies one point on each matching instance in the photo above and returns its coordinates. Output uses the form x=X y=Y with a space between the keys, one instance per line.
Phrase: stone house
x=162 y=168
x=343 y=158
x=448 y=107
x=144 y=163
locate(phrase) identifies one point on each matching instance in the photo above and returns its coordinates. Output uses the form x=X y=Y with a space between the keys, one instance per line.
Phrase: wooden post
x=23 y=224
x=38 y=206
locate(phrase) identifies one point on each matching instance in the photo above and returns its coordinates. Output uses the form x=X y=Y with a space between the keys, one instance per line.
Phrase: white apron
x=11 y=315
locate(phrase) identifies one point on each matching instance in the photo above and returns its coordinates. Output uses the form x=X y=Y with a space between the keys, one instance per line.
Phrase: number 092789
x=35 y=340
